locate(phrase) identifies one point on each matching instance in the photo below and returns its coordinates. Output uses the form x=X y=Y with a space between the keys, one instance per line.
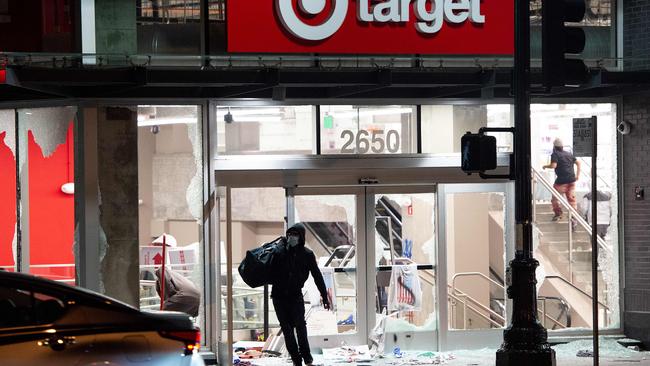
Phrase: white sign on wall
x=582 y=136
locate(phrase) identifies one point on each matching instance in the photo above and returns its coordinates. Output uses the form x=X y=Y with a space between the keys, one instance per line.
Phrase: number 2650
x=366 y=142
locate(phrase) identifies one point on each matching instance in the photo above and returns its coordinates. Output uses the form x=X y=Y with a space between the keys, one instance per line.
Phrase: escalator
x=326 y=237
x=388 y=223
x=333 y=240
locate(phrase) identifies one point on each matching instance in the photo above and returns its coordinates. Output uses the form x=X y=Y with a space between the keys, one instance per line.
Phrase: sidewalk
x=612 y=354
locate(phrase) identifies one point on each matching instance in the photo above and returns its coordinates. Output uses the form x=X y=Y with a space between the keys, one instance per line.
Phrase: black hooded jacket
x=294 y=270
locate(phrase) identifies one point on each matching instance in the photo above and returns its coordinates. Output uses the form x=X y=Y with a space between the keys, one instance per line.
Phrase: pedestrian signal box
x=478 y=153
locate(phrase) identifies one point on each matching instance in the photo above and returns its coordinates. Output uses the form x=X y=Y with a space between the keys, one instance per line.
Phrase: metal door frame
x=361 y=334
x=470 y=339
x=366 y=281
x=411 y=337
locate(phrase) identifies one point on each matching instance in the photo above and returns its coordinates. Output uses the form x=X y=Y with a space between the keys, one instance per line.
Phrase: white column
x=88 y=40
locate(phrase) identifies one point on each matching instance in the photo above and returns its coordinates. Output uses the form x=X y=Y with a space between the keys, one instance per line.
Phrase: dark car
x=43 y=322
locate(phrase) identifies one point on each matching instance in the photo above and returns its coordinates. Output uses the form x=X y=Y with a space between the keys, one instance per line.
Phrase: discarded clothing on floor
x=377 y=336
x=424 y=358
x=405 y=292
x=585 y=353
x=348 y=354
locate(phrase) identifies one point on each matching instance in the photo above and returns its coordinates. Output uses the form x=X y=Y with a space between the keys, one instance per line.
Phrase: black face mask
x=293 y=241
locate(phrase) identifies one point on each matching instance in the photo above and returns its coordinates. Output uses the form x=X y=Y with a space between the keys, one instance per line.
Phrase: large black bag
x=261 y=264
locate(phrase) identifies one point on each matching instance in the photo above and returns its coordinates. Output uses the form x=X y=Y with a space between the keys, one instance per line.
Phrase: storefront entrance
x=422 y=261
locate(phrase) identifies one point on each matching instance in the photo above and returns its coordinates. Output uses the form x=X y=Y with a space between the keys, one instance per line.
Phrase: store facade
x=365 y=150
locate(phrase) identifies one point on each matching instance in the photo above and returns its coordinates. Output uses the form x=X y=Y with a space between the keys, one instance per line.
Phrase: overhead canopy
x=31 y=81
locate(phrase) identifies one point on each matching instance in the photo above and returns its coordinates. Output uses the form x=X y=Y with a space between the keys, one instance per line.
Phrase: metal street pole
x=525 y=340
x=594 y=236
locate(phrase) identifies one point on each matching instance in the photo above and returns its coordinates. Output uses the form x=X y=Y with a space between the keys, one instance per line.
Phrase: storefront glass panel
x=257 y=217
x=444 y=125
x=476 y=242
x=368 y=129
x=277 y=130
x=168 y=27
x=331 y=222
x=170 y=197
x=563 y=243
x=46 y=168
x=8 y=190
x=405 y=257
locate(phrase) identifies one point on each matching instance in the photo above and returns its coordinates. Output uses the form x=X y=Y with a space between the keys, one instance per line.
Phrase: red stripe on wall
x=51 y=212
x=7 y=202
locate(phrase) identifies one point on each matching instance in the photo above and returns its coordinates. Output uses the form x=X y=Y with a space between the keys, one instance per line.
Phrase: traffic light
x=559 y=39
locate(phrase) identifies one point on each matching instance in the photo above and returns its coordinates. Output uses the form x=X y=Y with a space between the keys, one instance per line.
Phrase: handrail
x=481 y=275
x=483 y=307
x=345 y=232
x=470 y=274
x=337 y=249
x=318 y=238
x=572 y=210
x=388 y=242
x=565 y=307
x=462 y=294
x=583 y=172
x=389 y=210
x=579 y=290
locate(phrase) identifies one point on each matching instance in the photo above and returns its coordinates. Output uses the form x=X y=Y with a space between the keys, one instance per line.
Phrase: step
x=563 y=246
x=564 y=236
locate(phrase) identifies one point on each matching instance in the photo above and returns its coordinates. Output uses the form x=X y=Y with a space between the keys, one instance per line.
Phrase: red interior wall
x=51 y=212
x=7 y=202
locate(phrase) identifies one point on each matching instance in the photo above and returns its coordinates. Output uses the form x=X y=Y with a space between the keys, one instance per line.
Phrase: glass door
x=476 y=242
x=402 y=281
x=378 y=245
x=335 y=222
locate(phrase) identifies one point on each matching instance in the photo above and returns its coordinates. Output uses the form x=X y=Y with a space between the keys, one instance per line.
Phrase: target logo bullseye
x=430 y=15
x=309 y=32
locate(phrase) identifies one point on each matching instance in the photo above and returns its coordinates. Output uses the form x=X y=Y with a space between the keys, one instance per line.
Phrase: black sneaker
x=557 y=217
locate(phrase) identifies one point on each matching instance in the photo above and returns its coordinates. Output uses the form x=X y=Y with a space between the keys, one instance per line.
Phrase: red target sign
x=428 y=27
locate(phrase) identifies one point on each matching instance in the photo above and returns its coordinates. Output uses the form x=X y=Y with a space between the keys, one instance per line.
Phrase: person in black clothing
x=287 y=296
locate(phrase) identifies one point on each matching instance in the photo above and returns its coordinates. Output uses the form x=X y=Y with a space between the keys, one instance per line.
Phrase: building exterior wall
x=636 y=173
x=636 y=223
x=116 y=27
x=636 y=38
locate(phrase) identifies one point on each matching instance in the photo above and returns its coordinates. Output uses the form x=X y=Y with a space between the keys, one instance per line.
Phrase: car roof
x=25 y=281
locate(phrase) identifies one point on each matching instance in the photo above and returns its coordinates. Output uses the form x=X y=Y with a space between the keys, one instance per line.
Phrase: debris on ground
x=585 y=353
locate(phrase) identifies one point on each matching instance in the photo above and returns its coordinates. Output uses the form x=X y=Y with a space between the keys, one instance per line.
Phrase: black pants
x=291 y=314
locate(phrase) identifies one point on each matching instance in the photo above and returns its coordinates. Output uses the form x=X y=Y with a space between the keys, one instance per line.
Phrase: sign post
x=585 y=144
x=594 y=235
x=162 y=272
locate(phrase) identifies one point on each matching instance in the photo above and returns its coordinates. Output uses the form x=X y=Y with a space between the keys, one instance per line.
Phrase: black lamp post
x=525 y=340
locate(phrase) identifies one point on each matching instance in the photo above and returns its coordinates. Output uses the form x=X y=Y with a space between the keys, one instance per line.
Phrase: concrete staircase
x=574 y=268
